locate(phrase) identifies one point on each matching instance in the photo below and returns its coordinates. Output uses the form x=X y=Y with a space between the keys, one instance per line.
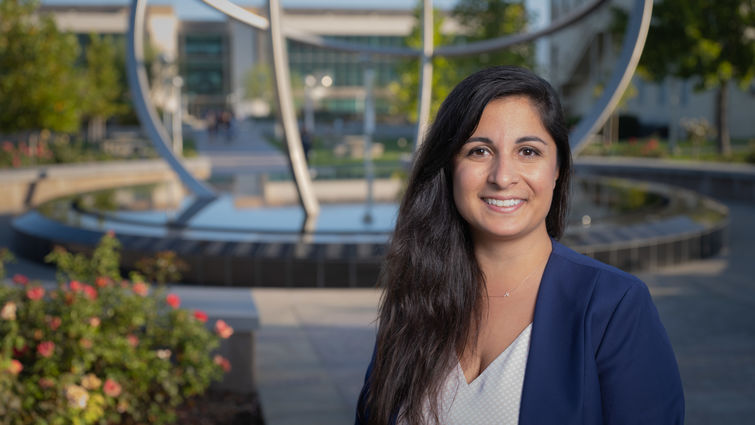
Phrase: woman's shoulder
x=599 y=282
x=568 y=258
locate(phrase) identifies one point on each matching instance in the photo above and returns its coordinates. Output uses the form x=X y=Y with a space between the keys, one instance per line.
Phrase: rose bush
x=100 y=350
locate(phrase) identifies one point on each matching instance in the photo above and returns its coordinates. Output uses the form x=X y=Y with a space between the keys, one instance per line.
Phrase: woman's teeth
x=503 y=202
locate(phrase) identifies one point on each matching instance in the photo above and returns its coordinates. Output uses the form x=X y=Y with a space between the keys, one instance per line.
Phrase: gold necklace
x=509 y=291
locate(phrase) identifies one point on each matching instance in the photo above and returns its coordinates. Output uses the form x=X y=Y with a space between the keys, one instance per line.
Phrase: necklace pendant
x=507 y=294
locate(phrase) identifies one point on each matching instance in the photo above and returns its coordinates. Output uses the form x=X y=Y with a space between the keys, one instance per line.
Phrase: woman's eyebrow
x=479 y=139
x=525 y=139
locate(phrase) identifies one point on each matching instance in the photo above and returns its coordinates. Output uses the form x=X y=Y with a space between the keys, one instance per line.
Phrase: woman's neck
x=505 y=263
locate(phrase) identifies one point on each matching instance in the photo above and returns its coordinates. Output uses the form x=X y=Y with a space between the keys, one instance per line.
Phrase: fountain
x=629 y=224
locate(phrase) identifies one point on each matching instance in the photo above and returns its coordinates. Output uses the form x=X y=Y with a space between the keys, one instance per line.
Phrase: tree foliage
x=405 y=90
x=480 y=20
x=39 y=83
x=487 y=19
x=103 y=91
x=709 y=41
x=46 y=83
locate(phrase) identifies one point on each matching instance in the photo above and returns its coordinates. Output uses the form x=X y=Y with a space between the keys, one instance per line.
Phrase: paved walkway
x=242 y=151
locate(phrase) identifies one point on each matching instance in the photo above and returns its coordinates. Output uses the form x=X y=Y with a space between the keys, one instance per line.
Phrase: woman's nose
x=503 y=172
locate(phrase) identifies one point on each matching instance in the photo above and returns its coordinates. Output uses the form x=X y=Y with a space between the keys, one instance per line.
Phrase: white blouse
x=494 y=396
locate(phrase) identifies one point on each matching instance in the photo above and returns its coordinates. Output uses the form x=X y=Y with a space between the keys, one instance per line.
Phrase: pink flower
x=133 y=340
x=54 y=322
x=90 y=292
x=15 y=367
x=35 y=293
x=46 y=348
x=85 y=343
x=222 y=362
x=76 y=286
x=94 y=321
x=140 y=288
x=20 y=279
x=102 y=281
x=222 y=329
x=200 y=315
x=112 y=388
x=46 y=383
x=173 y=300
x=8 y=146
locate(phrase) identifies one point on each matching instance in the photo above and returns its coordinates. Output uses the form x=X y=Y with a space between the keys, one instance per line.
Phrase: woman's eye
x=480 y=151
x=527 y=151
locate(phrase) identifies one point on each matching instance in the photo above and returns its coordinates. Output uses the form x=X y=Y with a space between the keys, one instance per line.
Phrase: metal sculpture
x=634 y=41
x=288 y=114
x=137 y=79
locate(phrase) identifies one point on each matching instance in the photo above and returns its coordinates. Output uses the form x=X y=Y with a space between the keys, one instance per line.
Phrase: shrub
x=100 y=351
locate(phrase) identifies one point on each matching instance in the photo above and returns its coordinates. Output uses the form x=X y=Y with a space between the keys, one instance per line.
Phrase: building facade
x=219 y=60
x=583 y=57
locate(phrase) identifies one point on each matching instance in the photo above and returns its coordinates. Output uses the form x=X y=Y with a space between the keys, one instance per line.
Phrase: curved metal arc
x=256 y=21
x=505 y=41
x=288 y=115
x=426 y=73
x=242 y=15
x=138 y=85
x=631 y=50
x=344 y=46
x=239 y=13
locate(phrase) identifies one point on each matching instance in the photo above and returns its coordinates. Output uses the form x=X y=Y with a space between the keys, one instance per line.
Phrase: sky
x=196 y=9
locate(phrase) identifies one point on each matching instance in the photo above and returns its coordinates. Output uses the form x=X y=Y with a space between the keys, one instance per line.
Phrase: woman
x=486 y=318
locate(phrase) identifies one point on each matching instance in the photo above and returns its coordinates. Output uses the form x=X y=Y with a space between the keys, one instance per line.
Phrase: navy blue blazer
x=598 y=351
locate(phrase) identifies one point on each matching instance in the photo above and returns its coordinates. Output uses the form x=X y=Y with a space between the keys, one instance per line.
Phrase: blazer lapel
x=554 y=377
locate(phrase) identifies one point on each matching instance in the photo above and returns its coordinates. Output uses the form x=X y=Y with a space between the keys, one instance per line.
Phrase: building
x=583 y=57
x=217 y=58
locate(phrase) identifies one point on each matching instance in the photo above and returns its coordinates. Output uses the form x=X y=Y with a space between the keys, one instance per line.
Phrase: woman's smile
x=504 y=205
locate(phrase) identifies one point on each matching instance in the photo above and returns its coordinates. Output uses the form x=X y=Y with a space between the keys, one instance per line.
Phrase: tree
x=481 y=20
x=104 y=91
x=710 y=41
x=486 y=19
x=444 y=76
x=39 y=84
x=259 y=85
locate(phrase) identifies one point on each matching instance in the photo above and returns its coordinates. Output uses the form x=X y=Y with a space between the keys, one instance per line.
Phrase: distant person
x=486 y=318
x=306 y=142
x=212 y=125
x=226 y=124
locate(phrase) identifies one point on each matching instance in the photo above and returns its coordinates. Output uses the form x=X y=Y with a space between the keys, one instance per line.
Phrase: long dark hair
x=433 y=283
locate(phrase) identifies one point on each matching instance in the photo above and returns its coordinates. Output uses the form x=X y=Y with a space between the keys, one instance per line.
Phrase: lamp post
x=315 y=87
x=369 y=130
x=177 y=119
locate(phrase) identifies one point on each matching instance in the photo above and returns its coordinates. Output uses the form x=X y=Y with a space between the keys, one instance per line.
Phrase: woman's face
x=505 y=173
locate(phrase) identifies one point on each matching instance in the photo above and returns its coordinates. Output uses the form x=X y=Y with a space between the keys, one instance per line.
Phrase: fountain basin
x=632 y=225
